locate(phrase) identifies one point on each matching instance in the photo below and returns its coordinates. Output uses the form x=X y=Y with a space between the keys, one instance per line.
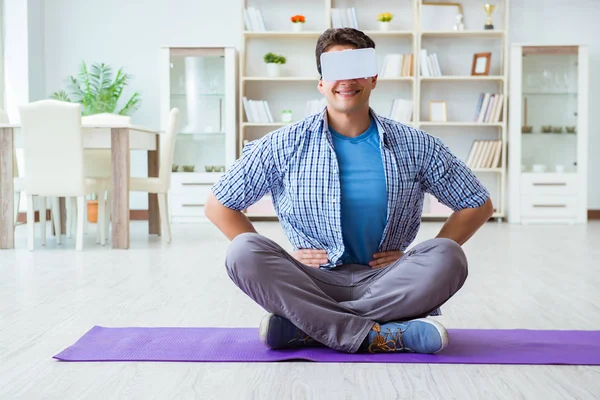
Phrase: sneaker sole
x=263 y=328
x=441 y=330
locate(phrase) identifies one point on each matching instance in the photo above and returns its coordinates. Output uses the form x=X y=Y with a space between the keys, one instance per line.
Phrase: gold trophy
x=489 y=9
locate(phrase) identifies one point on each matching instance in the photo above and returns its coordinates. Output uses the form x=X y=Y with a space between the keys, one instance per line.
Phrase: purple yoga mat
x=467 y=346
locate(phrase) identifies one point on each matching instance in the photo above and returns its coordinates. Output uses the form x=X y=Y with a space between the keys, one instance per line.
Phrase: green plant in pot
x=274 y=63
x=98 y=90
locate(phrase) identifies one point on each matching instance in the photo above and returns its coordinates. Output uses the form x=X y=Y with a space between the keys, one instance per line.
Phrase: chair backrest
x=167 y=148
x=97 y=162
x=53 y=148
x=5 y=120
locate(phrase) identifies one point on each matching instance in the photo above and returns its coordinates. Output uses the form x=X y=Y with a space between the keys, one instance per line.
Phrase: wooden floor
x=539 y=277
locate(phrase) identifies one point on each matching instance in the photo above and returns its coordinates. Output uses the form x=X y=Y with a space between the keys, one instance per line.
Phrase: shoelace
x=302 y=338
x=387 y=343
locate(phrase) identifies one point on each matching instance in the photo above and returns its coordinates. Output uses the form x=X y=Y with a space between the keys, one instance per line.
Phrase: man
x=348 y=187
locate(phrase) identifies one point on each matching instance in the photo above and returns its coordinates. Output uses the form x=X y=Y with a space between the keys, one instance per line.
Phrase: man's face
x=348 y=95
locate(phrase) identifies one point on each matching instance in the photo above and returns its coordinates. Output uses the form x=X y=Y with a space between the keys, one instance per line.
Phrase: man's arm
x=230 y=222
x=464 y=223
x=246 y=182
x=456 y=186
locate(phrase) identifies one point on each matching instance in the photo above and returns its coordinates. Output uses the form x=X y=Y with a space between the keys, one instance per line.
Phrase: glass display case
x=201 y=83
x=548 y=133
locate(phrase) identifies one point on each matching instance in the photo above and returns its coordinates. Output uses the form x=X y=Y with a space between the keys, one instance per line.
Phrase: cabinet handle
x=192 y=205
x=195 y=184
x=549 y=205
x=550 y=184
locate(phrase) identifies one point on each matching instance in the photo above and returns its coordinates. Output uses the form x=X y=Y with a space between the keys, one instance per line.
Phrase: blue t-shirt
x=363 y=193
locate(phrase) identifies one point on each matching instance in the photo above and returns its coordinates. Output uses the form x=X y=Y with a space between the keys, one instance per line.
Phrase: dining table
x=120 y=138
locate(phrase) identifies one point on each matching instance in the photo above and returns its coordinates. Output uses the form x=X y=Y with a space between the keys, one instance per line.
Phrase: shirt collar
x=320 y=125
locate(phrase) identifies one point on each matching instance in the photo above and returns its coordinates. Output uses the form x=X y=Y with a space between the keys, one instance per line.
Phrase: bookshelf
x=417 y=28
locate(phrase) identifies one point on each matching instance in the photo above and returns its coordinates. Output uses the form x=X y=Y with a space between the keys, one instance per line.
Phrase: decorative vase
x=384 y=26
x=92 y=211
x=274 y=70
x=297 y=26
x=286 y=116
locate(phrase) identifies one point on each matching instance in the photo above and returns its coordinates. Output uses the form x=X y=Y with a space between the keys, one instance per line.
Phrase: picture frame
x=437 y=111
x=481 y=64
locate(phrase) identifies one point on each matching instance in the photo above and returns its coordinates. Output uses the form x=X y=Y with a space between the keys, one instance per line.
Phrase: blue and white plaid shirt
x=298 y=166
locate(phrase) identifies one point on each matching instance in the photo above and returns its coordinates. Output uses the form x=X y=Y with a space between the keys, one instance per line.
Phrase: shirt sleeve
x=248 y=179
x=450 y=180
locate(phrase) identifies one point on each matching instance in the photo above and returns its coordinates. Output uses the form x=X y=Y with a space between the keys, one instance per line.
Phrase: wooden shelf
x=462 y=78
x=463 y=34
x=280 y=79
x=398 y=78
x=491 y=170
x=267 y=124
x=457 y=123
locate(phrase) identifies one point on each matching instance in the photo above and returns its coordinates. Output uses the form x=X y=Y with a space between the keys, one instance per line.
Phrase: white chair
x=161 y=185
x=54 y=163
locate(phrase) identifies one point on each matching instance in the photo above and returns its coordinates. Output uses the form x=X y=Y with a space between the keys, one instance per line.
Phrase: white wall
x=128 y=33
x=16 y=57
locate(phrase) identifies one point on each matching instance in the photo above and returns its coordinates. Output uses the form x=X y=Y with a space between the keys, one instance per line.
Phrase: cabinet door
x=197 y=86
x=550 y=109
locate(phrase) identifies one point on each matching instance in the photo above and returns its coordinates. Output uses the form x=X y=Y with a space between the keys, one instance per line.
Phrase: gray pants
x=338 y=307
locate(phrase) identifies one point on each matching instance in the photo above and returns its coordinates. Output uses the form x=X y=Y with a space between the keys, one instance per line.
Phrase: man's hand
x=385 y=258
x=310 y=257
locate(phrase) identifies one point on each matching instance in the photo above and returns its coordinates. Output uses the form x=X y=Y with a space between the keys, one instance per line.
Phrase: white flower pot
x=297 y=26
x=384 y=26
x=273 y=70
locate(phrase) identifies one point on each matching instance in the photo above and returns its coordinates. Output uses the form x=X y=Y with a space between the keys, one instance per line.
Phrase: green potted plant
x=98 y=91
x=274 y=63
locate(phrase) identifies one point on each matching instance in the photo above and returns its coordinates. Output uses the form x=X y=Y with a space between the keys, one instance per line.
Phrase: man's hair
x=341 y=36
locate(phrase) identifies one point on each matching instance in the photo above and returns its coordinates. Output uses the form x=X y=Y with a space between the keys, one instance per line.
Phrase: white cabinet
x=548 y=131
x=201 y=82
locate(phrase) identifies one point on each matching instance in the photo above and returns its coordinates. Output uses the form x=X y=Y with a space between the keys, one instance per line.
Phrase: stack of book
x=430 y=65
x=485 y=154
x=344 y=18
x=397 y=65
x=257 y=111
x=489 y=107
x=253 y=20
x=402 y=110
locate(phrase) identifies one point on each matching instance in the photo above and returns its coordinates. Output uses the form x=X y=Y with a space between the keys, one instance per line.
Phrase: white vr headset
x=348 y=64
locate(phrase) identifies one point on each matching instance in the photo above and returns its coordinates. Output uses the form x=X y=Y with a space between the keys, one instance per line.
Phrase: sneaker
x=277 y=333
x=417 y=336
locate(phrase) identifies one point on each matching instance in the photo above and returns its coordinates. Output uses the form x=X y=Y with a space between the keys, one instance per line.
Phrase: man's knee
x=453 y=259
x=244 y=254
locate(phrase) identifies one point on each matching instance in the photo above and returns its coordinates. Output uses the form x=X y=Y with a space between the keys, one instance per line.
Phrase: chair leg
x=101 y=216
x=30 y=223
x=56 y=219
x=42 y=202
x=17 y=200
x=80 y=220
x=163 y=209
x=108 y=214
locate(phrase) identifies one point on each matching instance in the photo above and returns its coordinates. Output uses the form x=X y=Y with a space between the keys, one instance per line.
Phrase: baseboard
x=593 y=214
x=134 y=215
x=138 y=215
